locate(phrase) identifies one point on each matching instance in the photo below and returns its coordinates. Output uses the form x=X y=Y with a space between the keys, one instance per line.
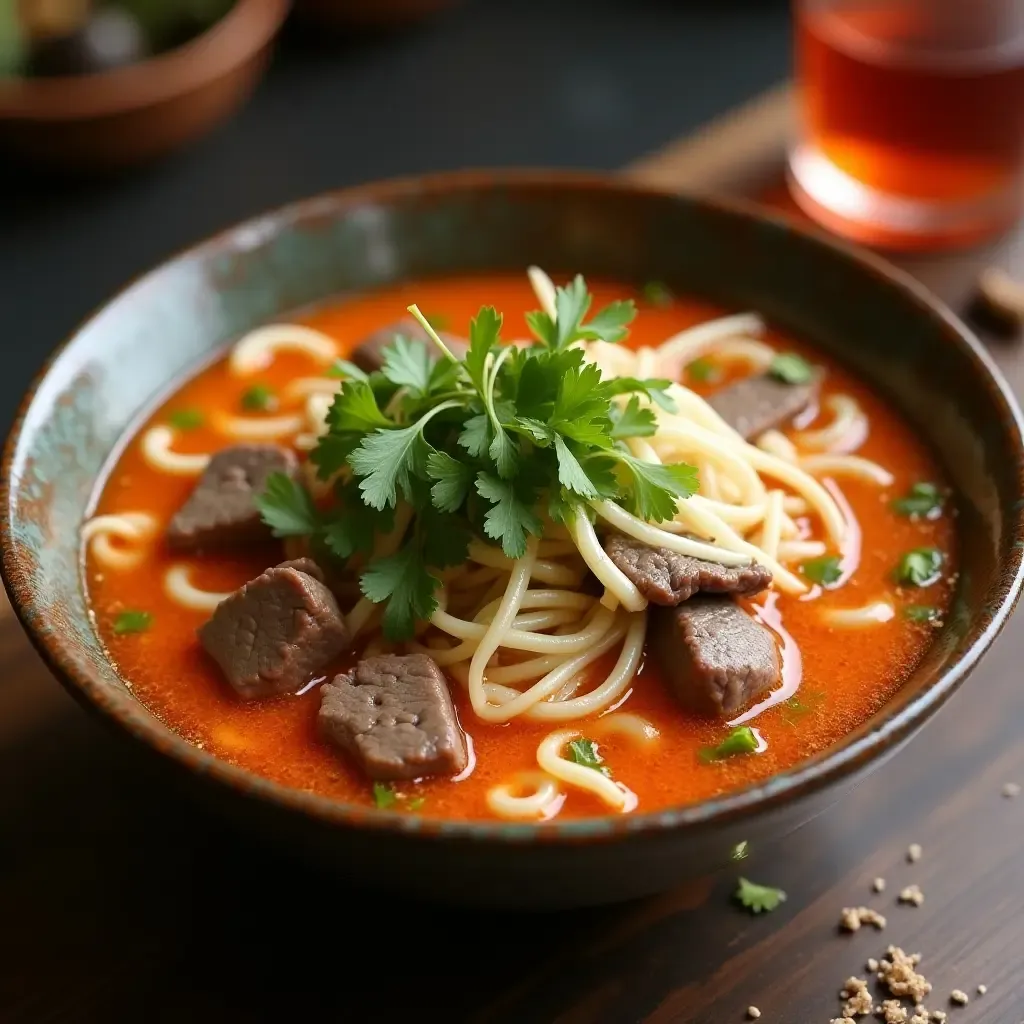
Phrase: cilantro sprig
x=758 y=898
x=489 y=446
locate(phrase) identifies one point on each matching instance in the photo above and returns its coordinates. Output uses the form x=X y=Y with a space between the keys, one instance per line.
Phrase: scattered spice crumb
x=892 y=1012
x=872 y=965
x=921 y=1016
x=939 y=1015
x=912 y=894
x=914 y=852
x=899 y=974
x=982 y=989
x=1011 y=790
x=959 y=997
x=853 y=917
x=998 y=303
x=842 y=1020
x=753 y=1012
x=879 y=885
x=858 y=998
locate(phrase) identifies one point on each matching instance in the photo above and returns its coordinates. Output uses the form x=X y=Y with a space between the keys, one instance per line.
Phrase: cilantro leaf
x=703 y=371
x=331 y=454
x=354 y=409
x=355 y=525
x=416 y=803
x=286 y=507
x=759 y=898
x=741 y=850
x=609 y=324
x=923 y=499
x=503 y=452
x=581 y=395
x=791 y=368
x=186 y=419
x=511 y=515
x=446 y=538
x=259 y=398
x=542 y=327
x=653 y=387
x=824 y=570
x=387 y=459
x=343 y=368
x=657 y=489
x=571 y=305
x=571 y=474
x=403 y=581
x=407 y=363
x=920 y=568
x=657 y=293
x=384 y=795
x=476 y=434
x=584 y=752
x=484 y=329
x=130 y=621
x=742 y=740
x=632 y=421
x=453 y=481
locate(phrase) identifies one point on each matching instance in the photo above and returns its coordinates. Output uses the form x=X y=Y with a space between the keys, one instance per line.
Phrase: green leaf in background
x=13 y=45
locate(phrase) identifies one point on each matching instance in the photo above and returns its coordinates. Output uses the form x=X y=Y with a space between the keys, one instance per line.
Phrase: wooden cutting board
x=120 y=902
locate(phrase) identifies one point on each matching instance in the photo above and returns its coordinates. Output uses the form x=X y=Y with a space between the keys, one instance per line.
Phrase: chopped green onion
x=924 y=613
x=584 y=752
x=742 y=740
x=920 y=567
x=186 y=419
x=657 y=293
x=383 y=795
x=259 y=398
x=132 y=622
x=826 y=570
x=923 y=499
x=791 y=368
x=703 y=371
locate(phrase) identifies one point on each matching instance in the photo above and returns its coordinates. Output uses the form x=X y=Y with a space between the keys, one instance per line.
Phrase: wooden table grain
x=121 y=902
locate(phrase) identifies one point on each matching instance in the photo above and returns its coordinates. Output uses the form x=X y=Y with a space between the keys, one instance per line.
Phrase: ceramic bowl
x=883 y=325
x=135 y=114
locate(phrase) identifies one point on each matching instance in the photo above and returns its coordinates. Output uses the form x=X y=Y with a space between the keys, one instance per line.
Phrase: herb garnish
x=741 y=850
x=923 y=613
x=703 y=371
x=186 y=419
x=920 y=567
x=657 y=293
x=385 y=796
x=824 y=571
x=742 y=740
x=259 y=398
x=132 y=622
x=484 y=446
x=803 y=704
x=923 y=499
x=791 y=368
x=759 y=898
x=584 y=752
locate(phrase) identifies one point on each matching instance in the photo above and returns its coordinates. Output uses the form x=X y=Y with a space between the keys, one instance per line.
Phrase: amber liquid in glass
x=910 y=105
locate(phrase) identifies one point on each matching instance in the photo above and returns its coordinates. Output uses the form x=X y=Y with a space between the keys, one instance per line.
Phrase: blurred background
x=103 y=176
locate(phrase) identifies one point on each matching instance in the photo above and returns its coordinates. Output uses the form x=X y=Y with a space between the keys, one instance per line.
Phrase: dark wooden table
x=119 y=902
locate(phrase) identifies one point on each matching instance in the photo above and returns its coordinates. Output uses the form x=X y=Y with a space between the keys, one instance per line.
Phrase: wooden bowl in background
x=370 y=15
x=132 y=115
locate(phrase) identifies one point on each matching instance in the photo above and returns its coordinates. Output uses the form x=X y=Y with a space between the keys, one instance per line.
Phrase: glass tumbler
x=911 y=130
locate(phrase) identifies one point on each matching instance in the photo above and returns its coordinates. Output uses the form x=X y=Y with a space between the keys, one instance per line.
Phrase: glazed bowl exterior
x=881 y=324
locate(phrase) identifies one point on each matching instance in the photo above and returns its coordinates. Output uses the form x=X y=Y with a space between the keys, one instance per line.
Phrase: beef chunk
x=270 y=636
x=669 y=578
x=394 y=715
x=756 y=404
x=222 y=509
x=713 y=655
x=368 y=355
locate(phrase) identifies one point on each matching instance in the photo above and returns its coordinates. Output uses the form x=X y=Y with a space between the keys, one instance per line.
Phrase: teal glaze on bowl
x=882 y=324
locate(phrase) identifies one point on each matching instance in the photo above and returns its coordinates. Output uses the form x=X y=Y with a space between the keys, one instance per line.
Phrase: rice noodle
x=133 y=528
x=156 y=450
x=551 y=760
x=179 y=588
x=543 y=797
x=259 y=428
x=847 y=431
x=848 y=465
x=257 y=349
x=870 y=614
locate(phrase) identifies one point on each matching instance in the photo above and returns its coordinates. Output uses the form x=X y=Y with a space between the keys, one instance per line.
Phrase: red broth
x=848 y=674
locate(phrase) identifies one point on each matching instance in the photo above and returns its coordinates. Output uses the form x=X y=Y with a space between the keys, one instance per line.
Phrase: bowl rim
x=831 y=766
x=247 y=28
